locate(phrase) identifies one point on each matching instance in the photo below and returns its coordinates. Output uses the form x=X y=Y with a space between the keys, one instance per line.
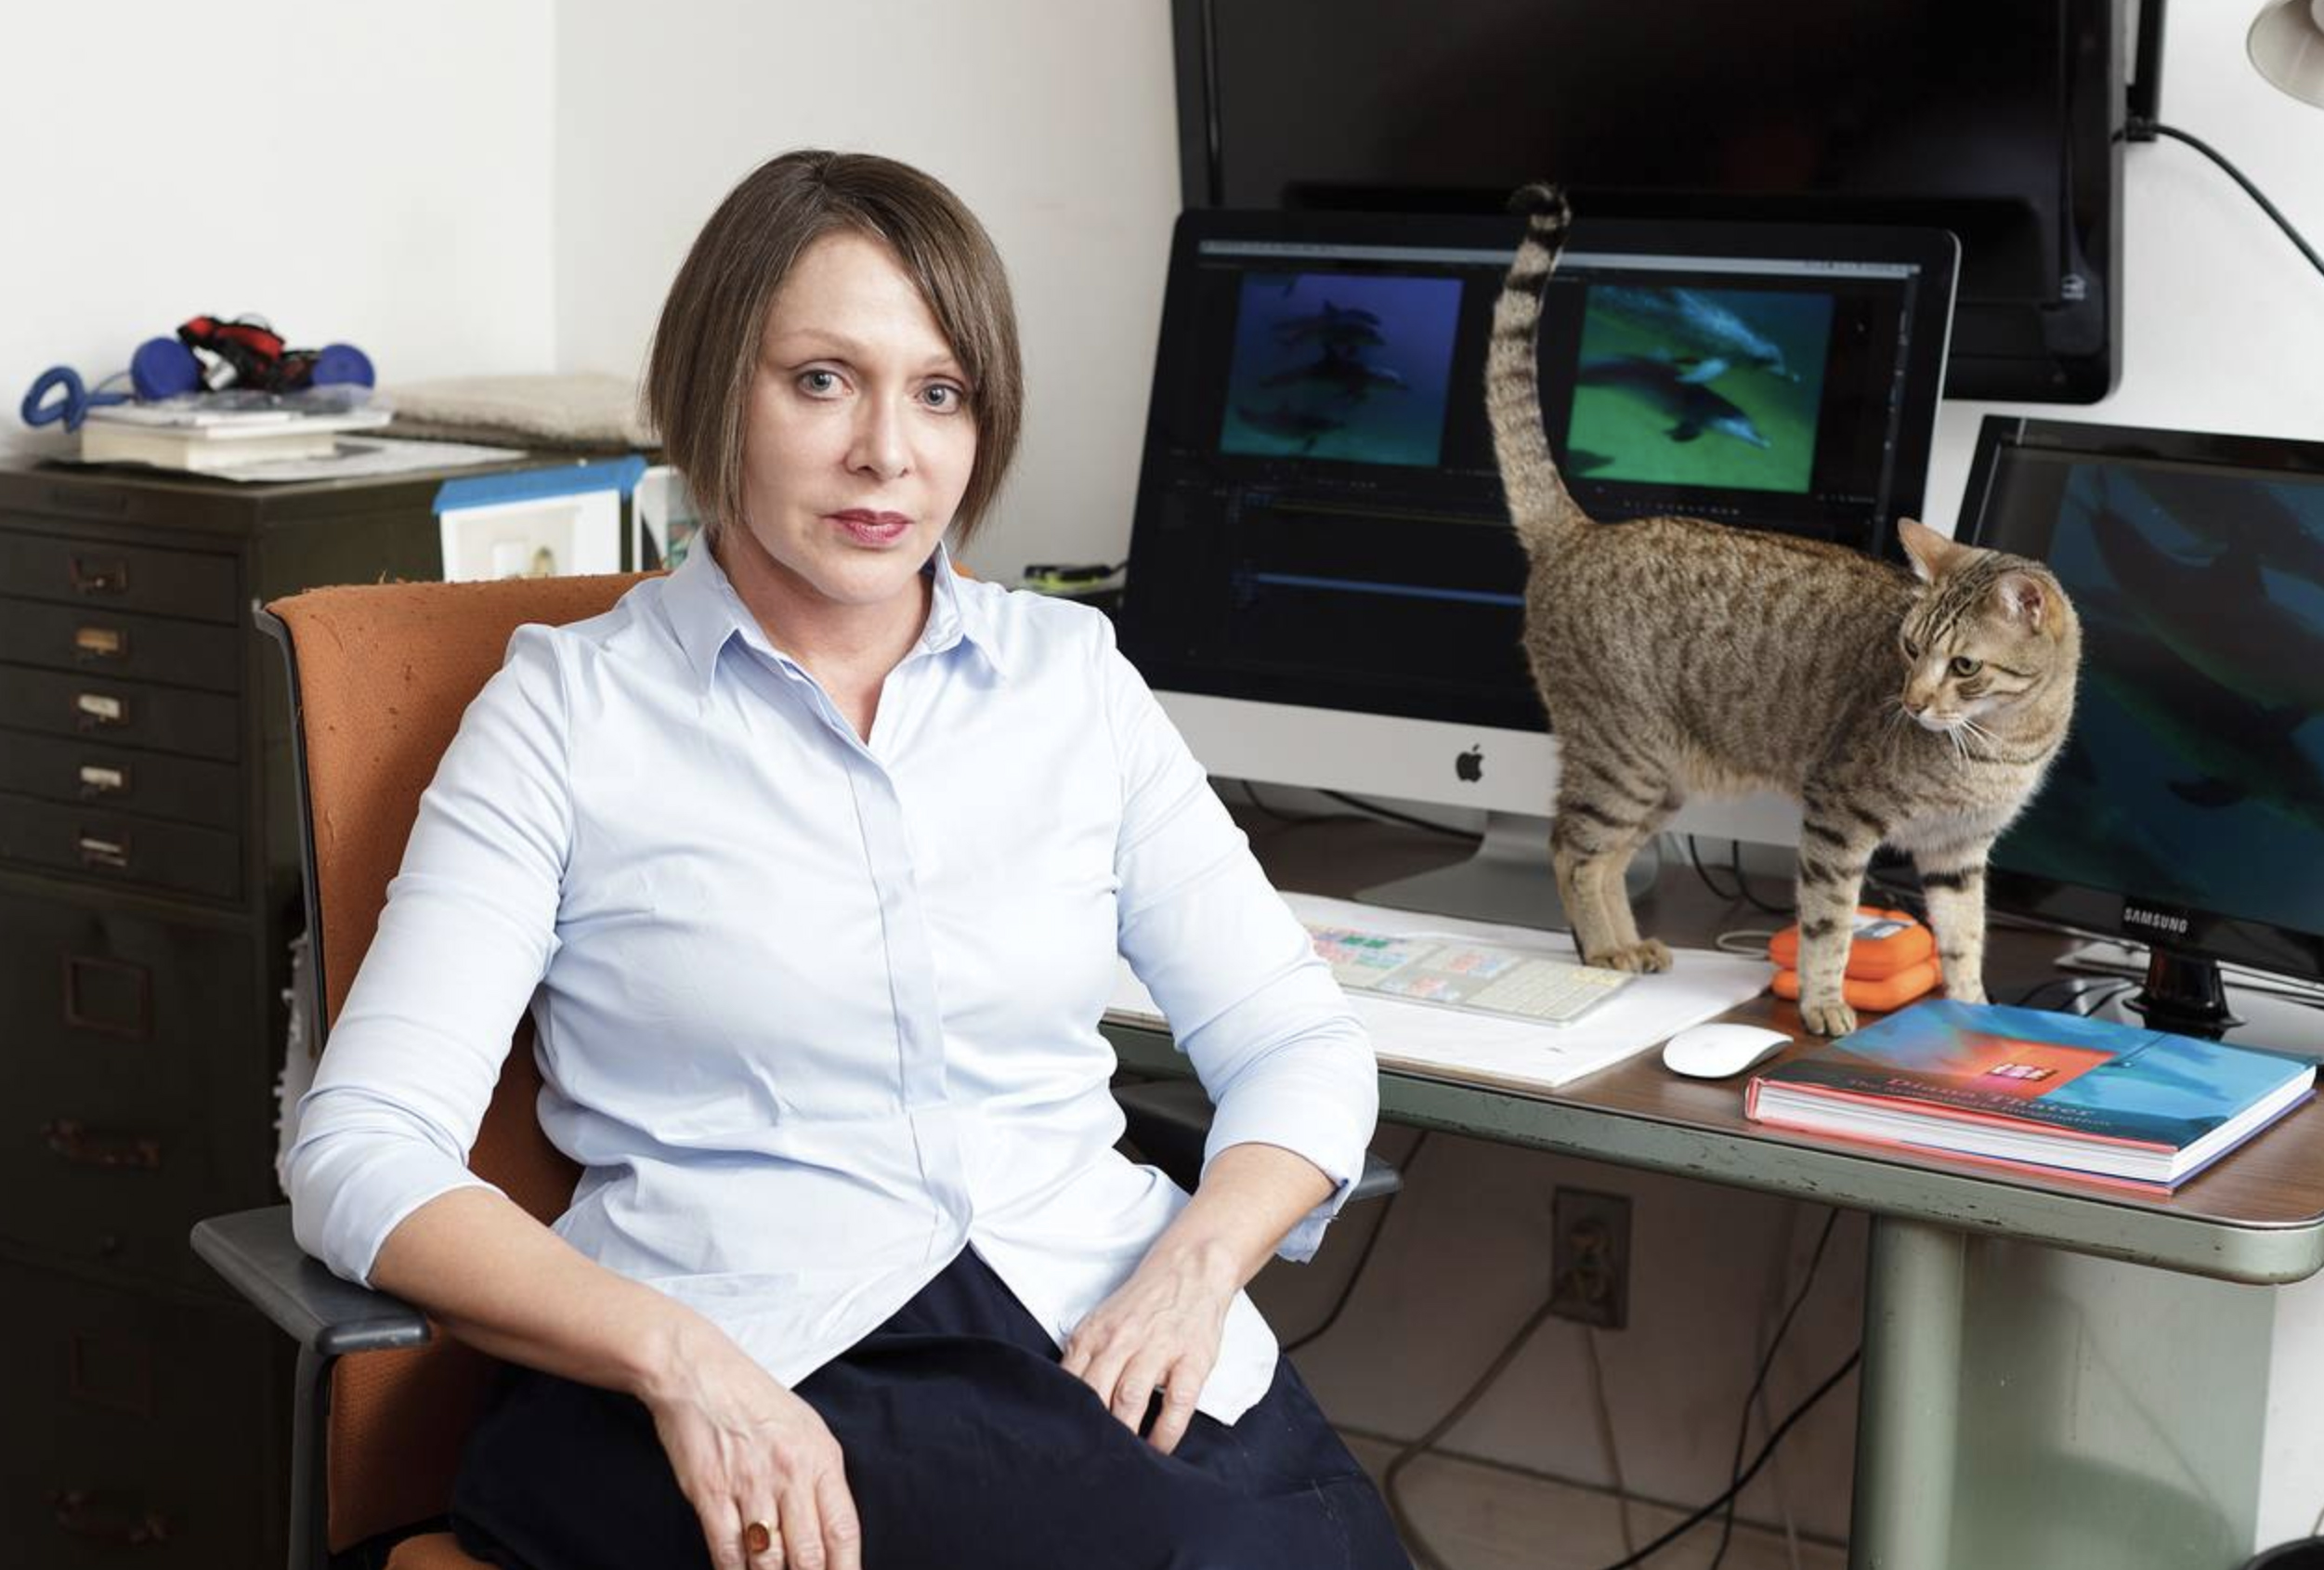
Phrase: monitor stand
x=2184 y=995
x=1506 y=881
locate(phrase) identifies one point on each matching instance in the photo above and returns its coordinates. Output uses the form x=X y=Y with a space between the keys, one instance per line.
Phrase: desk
x=1974 y=1447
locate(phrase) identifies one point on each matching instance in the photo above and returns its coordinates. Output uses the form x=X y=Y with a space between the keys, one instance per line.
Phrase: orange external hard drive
x=1873 y=997
x=1888 y=943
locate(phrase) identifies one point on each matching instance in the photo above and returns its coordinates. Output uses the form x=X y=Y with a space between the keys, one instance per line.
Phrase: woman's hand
x=747 y=1450
x=1158 y=1332
x=1161 y=1331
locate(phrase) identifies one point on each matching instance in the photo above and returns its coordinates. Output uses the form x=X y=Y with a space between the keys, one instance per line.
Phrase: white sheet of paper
x=355 y=457
x=1456 y=1043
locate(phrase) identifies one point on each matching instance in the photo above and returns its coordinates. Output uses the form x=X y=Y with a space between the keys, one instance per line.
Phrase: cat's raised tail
x=1542 y=509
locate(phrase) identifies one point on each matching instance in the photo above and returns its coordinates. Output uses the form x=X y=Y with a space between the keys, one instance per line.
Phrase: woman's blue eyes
x=941 y=396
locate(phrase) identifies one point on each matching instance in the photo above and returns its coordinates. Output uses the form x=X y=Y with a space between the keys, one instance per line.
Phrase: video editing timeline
x=1335 y=523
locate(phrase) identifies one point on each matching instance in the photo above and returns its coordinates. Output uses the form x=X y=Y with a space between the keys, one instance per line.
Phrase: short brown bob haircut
x=706 y=346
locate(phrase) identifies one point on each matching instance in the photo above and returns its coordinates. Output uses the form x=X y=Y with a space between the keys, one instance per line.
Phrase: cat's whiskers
x=1990 y=742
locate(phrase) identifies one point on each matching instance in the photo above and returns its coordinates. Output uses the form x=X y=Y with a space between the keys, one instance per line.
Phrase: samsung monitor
x=2187 y=811
x=1996 y=119
x=1323 y=584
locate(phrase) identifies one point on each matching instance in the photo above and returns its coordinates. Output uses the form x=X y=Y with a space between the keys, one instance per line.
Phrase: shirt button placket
x=912 y=990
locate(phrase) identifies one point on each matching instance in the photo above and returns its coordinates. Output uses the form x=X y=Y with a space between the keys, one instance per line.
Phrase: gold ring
x=757 y=1537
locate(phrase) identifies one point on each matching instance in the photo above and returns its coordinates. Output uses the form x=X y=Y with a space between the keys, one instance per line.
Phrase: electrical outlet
x=1589 y=1258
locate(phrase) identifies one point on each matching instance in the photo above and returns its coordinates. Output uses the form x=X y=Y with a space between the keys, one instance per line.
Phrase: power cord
x=1791 y=1420
x=1606 y=1437
x=1695 y=855
x=1749 y=942
x=1406 y=1528
x=1742 y=883
x=1363 y=809
x=2139 y=129
x=1355 y=1272
x=1394 y=817
x=1758 y=1382
x=1424 y=1551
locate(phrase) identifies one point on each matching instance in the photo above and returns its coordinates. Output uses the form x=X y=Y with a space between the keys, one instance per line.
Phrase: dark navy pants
x=968 y=1448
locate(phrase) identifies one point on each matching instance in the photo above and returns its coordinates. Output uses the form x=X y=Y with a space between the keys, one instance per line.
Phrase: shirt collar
x=705 y=612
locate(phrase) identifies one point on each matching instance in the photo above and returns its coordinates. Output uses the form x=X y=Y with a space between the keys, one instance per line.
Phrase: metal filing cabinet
x=148 y=889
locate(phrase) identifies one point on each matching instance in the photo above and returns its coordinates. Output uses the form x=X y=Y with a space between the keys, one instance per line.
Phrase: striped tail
x=1544 y=513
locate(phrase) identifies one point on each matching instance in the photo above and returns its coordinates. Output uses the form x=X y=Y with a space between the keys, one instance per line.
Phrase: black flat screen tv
x=1995 y=118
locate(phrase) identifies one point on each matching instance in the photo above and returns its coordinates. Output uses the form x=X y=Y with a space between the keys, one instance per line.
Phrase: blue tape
x=526 y=485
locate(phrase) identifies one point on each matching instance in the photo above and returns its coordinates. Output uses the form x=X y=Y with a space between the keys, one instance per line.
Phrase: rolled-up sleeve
x=1252 y=1006
x=468 y=933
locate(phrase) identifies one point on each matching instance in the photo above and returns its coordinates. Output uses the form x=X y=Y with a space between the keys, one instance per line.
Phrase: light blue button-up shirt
x=813 y=1012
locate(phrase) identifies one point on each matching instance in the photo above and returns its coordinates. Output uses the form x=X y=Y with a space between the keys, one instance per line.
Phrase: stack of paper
x=181 y=435
x=1470 y=1046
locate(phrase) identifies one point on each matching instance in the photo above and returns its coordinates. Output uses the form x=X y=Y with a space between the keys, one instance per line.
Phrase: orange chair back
x=382 y=675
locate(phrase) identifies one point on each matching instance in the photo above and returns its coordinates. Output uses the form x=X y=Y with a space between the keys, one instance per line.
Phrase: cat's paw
x=1830 y=1018
x=1648 y=954
x=1972 y=991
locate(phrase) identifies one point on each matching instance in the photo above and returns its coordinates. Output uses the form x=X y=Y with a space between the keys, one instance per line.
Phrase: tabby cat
x=1916 y=709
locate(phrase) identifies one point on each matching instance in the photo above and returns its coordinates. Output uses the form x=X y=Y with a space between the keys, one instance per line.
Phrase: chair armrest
x=1169 y=1119
x=255 y=1252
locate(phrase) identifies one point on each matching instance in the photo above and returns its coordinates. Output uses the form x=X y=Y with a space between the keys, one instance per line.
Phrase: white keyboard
x=1459 y=972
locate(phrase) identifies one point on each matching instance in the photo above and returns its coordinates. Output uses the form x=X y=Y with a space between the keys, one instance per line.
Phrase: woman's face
x=859 y=440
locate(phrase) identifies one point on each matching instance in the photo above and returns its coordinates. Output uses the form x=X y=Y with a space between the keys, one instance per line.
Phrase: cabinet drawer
x=201 y=725
x=115 y=847
x=83 y=977
x=103 y=641
x=142 y=1432
x=134 y=1084
x=201 y=584
x=152 y=784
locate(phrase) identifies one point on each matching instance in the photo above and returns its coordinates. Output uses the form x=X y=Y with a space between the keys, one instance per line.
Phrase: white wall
x=358 y=175
x=1053 y=122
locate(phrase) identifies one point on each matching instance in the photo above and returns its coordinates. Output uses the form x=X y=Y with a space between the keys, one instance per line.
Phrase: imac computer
x=2187 y=811
x=1324 y=588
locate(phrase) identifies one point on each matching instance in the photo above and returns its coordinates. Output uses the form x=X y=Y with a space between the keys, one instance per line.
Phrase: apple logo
x=1469 y=766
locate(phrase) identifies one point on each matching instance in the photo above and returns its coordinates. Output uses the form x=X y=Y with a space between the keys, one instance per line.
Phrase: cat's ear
x=2022 y=598
x=1933 y=555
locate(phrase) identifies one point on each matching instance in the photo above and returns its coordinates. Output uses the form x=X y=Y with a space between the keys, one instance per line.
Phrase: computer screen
x=1995 y=118
x=1323 y=582
x=2187 y=811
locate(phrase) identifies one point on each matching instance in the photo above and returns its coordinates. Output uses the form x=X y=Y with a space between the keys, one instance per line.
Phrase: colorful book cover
x=2085 y=1080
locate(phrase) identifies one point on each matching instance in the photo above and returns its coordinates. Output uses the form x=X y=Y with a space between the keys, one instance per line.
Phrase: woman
x=811 y=861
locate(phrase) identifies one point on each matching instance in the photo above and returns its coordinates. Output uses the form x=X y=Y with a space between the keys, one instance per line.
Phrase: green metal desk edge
x=1975 y=1203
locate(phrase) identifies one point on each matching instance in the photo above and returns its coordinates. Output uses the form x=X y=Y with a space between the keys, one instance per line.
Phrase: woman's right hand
x=747 y=1449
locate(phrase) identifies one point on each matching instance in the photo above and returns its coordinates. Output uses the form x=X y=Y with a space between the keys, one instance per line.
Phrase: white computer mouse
x=1715 y=1050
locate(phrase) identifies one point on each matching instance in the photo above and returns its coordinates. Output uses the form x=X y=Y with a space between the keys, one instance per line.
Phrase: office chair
x=379 y=677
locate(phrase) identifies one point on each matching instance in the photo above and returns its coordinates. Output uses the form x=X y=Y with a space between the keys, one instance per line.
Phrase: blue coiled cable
x=78 y=398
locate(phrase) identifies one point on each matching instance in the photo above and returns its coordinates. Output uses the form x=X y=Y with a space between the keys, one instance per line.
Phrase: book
x=2030 y=1088
x=219 y=444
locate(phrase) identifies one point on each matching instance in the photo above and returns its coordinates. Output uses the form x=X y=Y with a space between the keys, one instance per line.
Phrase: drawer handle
x=75 y=1143
x=103 y=780
x=109 y=995
x=79 y=1513
x=91 y=643
x=99 y=711
x=92 y=576
x=98 y=851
